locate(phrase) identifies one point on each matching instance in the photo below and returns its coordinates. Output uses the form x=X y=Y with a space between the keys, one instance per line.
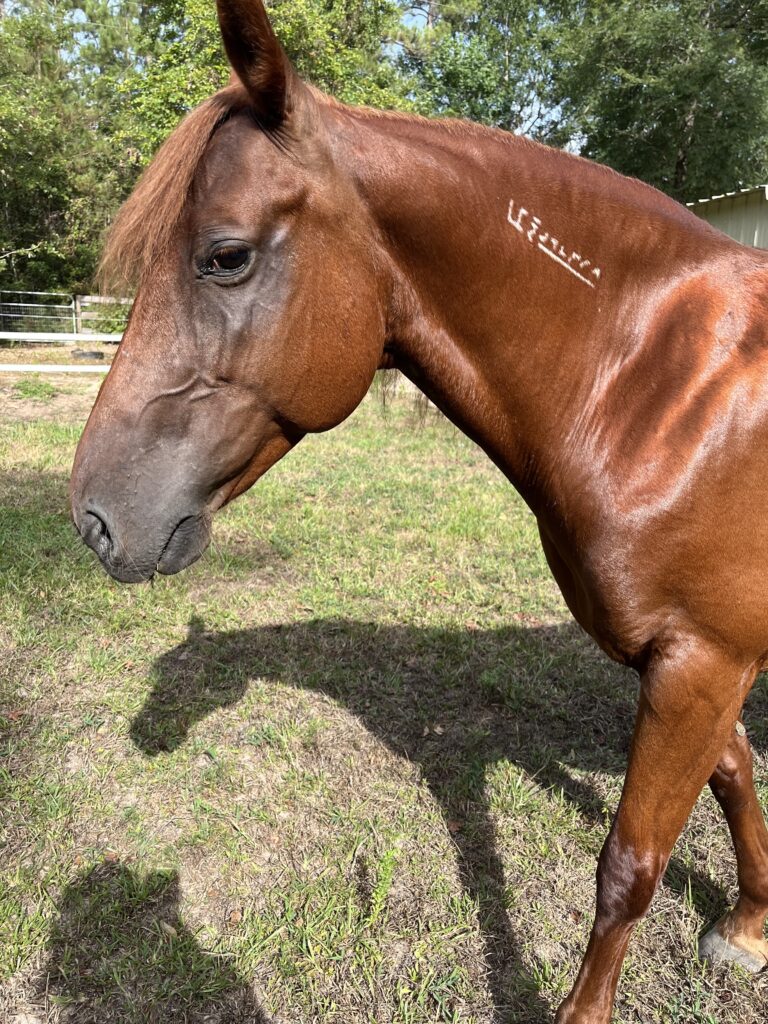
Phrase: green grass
x=34 y=387
x=354 y=766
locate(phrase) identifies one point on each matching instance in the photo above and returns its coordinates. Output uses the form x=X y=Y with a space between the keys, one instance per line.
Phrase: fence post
x=78 y=314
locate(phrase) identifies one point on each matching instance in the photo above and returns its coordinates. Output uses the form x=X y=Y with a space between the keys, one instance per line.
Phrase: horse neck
x=515 y=273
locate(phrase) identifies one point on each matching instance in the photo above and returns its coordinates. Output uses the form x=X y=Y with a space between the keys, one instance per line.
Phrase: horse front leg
x=740 y=936
x=690 y=699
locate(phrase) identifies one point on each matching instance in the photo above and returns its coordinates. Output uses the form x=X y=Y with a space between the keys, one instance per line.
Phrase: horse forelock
x=145 y=223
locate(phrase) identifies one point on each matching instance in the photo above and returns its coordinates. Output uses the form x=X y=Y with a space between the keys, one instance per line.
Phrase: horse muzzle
x=135 y=561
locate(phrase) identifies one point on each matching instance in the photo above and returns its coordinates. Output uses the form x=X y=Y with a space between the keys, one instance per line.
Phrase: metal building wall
x=742 y=215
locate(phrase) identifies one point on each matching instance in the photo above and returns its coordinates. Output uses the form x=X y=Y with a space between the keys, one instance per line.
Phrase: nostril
x=94 y=530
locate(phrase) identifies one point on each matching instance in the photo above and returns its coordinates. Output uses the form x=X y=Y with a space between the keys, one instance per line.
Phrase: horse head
x=260 y=312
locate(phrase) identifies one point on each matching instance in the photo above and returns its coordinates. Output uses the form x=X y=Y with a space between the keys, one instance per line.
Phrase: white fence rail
x=51 y=368
x=41 y=337
x=56 y=313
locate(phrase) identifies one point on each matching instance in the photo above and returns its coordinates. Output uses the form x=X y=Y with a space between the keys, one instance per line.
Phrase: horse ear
x=258 y=59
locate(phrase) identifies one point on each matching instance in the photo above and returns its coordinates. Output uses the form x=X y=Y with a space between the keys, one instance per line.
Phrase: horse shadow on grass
x=544 y=698
x=120 y=952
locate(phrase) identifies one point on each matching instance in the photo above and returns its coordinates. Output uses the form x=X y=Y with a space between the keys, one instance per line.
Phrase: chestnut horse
x=608 y=350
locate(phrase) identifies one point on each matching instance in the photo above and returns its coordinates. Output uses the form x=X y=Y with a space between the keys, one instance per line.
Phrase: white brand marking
x=548 y=252
x=578 y=265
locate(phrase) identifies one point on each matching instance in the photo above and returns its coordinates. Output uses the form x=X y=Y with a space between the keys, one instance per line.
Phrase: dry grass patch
x=86 y=352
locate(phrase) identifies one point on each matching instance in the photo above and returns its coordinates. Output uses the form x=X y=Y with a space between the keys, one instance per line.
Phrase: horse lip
x=127 y=573
x=187 y=542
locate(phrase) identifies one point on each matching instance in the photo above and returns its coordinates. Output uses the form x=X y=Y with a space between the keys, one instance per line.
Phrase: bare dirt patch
x=51 y=397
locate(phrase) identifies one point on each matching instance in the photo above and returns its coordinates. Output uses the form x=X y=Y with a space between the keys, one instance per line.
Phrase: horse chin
x=127 y=573
x=185 y=545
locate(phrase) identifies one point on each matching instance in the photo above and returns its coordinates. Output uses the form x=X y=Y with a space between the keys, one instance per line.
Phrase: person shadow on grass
x=541 y=697
x=119 y=952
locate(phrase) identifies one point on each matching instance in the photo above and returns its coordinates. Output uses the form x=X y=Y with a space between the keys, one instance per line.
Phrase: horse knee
x=627 y=876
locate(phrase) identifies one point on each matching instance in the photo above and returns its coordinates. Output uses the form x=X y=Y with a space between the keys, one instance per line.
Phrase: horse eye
x=227 y=260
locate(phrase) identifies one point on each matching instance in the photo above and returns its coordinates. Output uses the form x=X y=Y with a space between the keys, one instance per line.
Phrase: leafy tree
x=61 y=175
x=32 y=172
x=187 y=64
x=675 y=93
x=480 y=60
x=339 y=45
x=672 y=91
x=343 y=47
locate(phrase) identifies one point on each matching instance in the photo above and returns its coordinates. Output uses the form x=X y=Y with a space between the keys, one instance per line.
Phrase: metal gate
x=60 y=316
x=37 y=311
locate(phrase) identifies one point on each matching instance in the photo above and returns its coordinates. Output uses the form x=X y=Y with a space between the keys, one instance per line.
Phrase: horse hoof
x=751 y=954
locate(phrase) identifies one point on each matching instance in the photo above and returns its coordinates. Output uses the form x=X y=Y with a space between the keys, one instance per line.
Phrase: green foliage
x=340 y=46
x=61 y=173
x=482 y=61
x=335 y=44
x=675 y=93
x=89 y=90
x=188 y=65
x=32 y=167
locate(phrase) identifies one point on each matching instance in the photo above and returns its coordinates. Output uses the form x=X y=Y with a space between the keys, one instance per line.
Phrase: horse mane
x=144 y=225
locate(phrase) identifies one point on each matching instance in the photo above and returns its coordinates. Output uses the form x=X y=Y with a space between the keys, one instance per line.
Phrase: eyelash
x=210 y=267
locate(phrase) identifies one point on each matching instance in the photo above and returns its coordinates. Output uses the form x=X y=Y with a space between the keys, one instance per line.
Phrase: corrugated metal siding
x=743 y=216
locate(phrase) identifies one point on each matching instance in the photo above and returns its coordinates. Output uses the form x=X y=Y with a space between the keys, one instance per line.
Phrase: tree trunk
x=680 y=177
